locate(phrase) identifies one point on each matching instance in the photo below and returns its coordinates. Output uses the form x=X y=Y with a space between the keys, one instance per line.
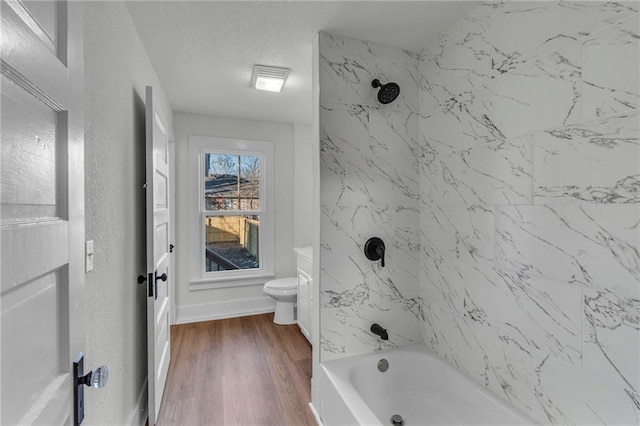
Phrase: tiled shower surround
x=505 y=182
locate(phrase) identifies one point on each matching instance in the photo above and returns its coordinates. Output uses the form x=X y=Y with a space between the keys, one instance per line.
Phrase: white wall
x=303 y=186
x=116 y=72
x=199 y=305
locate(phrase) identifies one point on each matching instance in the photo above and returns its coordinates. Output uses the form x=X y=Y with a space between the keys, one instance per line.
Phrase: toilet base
x=285 y=313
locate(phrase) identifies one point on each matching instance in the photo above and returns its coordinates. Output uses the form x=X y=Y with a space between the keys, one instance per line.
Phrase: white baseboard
x=138 y=416
x=315 y=414
x=226 y=309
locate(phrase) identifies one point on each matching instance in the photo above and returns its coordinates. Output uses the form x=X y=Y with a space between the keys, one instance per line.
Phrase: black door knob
x=162 y=277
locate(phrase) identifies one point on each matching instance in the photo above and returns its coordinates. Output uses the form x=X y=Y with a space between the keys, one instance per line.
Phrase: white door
x=42 y=209
x=158 y=262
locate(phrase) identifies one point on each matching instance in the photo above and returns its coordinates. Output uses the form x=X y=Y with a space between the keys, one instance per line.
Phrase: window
x=233 y=209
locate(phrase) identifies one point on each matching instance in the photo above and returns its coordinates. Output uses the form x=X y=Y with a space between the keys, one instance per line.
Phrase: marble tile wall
x=370 y=178
x=529 y=207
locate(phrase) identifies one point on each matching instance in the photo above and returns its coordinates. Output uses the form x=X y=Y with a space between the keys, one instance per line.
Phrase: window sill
x=197 y=284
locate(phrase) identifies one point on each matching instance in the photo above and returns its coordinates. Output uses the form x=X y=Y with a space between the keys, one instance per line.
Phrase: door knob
x=162 y=277
x=97 y=378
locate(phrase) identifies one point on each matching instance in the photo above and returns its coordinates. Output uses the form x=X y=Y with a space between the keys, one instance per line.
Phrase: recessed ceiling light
x=269 y=78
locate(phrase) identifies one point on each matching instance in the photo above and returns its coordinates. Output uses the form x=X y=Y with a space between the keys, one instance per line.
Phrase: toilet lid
x=282 y=283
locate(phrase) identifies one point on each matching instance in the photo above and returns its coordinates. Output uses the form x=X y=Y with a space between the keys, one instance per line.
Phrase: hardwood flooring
x=241 y=371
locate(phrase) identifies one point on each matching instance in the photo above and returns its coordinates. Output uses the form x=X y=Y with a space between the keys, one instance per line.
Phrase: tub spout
x=377 y=329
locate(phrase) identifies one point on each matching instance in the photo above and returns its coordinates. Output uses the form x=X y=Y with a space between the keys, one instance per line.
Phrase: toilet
x=285 y=293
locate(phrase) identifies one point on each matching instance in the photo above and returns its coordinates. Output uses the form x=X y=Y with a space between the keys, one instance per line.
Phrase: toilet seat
x=282 y=284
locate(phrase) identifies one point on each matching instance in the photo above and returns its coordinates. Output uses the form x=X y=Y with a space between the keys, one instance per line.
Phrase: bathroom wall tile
x=366 y=50
x=459 y=60
x=567 y=394
x=382 y=180
x=546 y=314
x=612 y=337
x=457 y=246
x=346 y=229
x=596 y=162
x=344 y=132
x=457 y=125
x=344 y=282
x=492 y=358
x=541 y=94
x=594 y=246
x=346 y=331
x=482 y=46
x=346 y=75
x=394 y=134
x=405 y=224
x=611 y=70
x=543 y=27
x=493 y=173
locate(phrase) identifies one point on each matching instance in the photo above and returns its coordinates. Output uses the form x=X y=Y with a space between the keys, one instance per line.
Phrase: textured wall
x=369 y=185
x=530 y=206
x=116 y=72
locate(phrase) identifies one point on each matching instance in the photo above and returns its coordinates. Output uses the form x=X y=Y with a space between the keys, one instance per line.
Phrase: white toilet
x=285 y=292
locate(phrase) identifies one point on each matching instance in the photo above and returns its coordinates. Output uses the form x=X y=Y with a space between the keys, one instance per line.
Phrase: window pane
x=231 y=182
x=232 y=242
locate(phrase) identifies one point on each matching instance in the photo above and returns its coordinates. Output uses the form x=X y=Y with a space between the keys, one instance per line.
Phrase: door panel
x=158 y=226
x=41 y=209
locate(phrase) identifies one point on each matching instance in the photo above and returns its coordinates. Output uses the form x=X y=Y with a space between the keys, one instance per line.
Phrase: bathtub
x=418 y=386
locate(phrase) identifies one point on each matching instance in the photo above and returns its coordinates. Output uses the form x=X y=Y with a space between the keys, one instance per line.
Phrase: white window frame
x=200 y=279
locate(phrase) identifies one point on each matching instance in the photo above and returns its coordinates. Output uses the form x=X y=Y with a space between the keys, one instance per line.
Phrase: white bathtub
x=418 y=386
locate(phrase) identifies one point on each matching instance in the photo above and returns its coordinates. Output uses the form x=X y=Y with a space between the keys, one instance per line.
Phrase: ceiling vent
x=269 y=78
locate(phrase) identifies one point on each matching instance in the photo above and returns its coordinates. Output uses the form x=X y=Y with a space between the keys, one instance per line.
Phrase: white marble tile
x=595 y=162
x=493 y=173
x=346 y=331
x=344 y=230
x=482 y=46
x=344 y=282
x=611 y=69
x=364 y=49
x=405 y=224
x=545 y=314
x=489 y=356
x=394 y=134
x=344 y=132
x=457 y=246
x=595 y=246
x=541 y=94
x=379 y=180
x=457 y=125
x=346 y=75
x=567 y=394
x=612 y=338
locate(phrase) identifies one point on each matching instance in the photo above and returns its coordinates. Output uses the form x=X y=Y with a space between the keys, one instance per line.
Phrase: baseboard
x=315 y=414
x=138 y=416
x=222 y=310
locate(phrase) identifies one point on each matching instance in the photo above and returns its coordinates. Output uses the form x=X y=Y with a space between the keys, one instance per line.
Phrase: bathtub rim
x=338 y=373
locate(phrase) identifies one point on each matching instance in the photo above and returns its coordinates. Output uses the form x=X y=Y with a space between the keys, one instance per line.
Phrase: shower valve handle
x=374 y=250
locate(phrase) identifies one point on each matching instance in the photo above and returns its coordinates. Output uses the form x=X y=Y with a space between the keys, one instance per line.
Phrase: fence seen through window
x=232 y=211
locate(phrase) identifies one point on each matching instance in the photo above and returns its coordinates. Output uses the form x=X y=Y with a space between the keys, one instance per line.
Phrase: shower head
x=387 y=93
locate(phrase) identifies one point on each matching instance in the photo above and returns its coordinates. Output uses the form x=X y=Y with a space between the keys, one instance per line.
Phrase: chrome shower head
x=387 y=93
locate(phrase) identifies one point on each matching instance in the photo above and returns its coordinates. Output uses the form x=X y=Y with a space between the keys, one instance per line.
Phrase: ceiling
x=204 y=51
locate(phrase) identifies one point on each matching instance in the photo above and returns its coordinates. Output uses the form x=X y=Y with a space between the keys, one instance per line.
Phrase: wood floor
x=240 y=371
